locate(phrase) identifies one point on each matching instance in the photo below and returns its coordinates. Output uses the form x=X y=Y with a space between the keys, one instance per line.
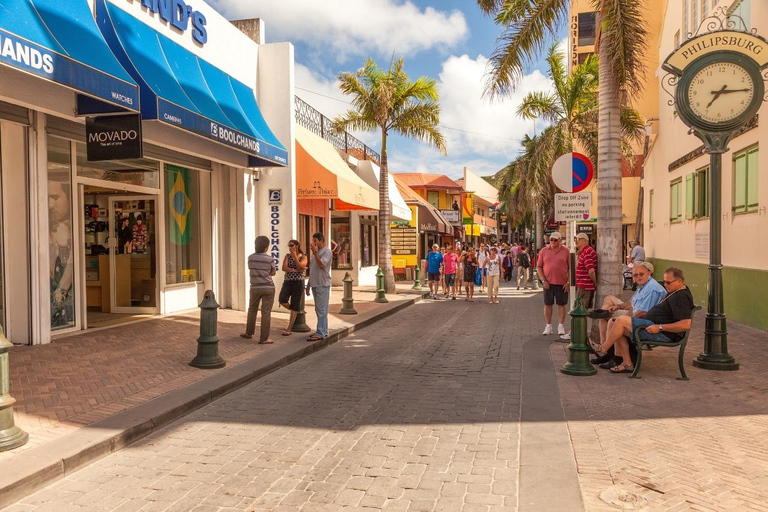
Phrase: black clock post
x=718 y=90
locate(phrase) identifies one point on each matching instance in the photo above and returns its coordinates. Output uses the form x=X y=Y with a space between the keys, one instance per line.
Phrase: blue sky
x=448 y=40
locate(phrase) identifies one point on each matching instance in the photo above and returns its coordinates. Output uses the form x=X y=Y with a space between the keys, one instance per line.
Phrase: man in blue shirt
x=649 y=293
x=434 y=262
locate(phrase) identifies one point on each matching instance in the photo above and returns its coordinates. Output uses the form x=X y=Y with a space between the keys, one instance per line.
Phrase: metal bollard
x=348 y=302
x=578 y=353
x=380 y=297
x=535 y=279
x=300 y=324
x=208 y=343
x=11 y=436
x=416 y=279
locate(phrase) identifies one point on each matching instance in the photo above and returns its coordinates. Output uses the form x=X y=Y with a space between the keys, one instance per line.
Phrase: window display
x=141 y=172
x=60 y=253
x=341 y=243
x=182 y=222
x=369 y=238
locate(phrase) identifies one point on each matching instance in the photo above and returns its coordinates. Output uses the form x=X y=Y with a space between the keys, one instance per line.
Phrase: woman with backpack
x=523 y=266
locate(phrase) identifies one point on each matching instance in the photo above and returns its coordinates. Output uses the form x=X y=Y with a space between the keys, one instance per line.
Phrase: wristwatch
x=660 y=328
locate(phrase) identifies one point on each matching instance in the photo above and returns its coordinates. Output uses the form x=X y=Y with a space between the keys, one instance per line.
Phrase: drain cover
x=623 y=499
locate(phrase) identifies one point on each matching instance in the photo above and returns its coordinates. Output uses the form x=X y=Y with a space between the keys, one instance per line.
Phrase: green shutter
x=752 y=169
x=689 y=195
x=676 y=199
x=740 y=183
x=702 y=193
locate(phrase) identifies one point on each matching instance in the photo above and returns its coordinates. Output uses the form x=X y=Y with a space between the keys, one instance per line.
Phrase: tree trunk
x=385 y=246
x=538 y=237
x=609 y=245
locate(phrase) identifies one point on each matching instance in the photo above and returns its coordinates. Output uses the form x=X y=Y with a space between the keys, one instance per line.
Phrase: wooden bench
x=649 y=344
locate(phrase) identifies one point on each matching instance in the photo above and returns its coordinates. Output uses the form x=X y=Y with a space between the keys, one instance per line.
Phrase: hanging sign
x=572 y=206
x=113 y=137
x=573 y=172
x=468 y=208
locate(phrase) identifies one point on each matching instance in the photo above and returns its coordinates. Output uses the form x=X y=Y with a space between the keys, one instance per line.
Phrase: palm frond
x=624 y=32
x=540 y=104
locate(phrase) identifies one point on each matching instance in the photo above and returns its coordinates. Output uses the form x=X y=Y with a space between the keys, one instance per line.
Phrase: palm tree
x=527 y=25
x=387 y=101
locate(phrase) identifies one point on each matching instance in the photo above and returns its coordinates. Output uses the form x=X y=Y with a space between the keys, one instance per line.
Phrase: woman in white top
x=493 y=264
x=482 y=255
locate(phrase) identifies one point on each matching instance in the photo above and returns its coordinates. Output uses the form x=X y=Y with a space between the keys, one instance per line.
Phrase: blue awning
x=183 y=90
x=59 y=41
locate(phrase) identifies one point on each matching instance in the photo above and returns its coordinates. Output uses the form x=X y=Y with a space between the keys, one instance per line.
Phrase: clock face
x=720 y=92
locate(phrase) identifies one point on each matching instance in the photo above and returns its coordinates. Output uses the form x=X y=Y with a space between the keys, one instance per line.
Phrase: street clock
x=719 y=92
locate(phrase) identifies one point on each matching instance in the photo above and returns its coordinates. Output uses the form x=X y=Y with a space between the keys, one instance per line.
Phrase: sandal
x=287 y=333
x=314 y=337
x=595 y=348
x=623 y=368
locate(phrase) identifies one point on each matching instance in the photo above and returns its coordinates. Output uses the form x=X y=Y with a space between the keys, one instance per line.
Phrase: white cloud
x=344 y=28
x=489 y=129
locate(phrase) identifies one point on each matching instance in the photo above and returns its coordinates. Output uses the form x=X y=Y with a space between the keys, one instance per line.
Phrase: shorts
x=292 y=290
x=433 y=276
x=588 y=296
x=485 y=271
x=645 y=335
x=450 y=279
x=556 y=293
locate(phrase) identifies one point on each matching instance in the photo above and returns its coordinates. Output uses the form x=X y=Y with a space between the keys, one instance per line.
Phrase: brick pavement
x=695 y=445
x=81 y=379
x=420 y=412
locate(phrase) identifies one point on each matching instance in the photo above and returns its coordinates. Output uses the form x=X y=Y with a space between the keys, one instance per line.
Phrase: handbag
x=479 y=277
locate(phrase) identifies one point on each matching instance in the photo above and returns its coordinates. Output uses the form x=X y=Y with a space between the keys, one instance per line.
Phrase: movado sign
x=113 y=137
x=180 y=16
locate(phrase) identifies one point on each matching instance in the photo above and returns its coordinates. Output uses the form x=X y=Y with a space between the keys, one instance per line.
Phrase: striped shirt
x=586 y=262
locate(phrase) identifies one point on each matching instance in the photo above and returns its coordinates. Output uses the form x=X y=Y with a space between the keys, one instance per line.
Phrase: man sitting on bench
x=667 y=321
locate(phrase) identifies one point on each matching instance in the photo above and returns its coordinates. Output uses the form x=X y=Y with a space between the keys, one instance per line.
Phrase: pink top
x=451 y=262
x=554 y=265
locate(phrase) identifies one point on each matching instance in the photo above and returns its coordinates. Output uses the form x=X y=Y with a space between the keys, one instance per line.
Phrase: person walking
x=294 y=266
x=320 y=283
x=553 y=264
x=482 y=254
x=508 y=263
x=586 y=271
x=261 y=268
x=493 y=265
x=450 y=267
x=523 y=267
x=470 y=272
x=434 y=264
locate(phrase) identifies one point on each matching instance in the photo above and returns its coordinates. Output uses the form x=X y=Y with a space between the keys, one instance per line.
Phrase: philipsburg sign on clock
x=718 y=80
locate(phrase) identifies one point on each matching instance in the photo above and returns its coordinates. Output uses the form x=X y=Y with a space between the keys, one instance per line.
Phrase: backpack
x=525 y=260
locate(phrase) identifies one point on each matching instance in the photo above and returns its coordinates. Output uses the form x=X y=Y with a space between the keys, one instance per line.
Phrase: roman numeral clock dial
x=721 y=92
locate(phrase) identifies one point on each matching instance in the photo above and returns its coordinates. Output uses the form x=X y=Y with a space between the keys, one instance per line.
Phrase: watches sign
x=113 y=137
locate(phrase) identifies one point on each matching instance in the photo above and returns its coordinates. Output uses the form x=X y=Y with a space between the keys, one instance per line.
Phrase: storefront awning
x=322 y=174
x=430 y=218
x=180 y=89
x=60 y=42
x=370 y=172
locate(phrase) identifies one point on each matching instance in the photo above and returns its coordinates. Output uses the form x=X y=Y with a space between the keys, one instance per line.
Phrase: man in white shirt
x=320 y=282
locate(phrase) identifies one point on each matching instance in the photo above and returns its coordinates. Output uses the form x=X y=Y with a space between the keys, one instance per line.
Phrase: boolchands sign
x=113 y=137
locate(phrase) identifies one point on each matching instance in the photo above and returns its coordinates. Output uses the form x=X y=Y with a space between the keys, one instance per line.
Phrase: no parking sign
x=572 y=172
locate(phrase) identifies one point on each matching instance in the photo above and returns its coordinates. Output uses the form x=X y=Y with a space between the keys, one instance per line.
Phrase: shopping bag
x=479 y=277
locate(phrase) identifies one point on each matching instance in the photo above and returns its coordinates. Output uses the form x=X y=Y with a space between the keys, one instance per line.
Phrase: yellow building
x=676 y=182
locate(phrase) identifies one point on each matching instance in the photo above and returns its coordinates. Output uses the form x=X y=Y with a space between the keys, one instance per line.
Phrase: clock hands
x=724 y=90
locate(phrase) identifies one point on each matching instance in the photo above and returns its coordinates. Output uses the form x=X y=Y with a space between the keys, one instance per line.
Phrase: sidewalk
x=94 y=377
x=675 y=445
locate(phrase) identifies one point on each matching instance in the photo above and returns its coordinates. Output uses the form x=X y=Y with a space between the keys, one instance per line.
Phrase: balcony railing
x=314 y=121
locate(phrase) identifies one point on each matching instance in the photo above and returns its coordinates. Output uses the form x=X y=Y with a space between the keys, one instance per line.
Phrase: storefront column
x=40 y=287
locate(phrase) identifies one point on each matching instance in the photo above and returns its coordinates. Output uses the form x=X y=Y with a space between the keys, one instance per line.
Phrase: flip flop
x=286 y=333
x=622 y=368
x=314 y=337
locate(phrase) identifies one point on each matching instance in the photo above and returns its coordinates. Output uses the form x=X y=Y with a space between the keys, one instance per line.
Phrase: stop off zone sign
x=572 y=172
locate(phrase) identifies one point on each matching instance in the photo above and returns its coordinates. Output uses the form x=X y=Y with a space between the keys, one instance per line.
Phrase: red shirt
x=555 y=265
x=586 y=262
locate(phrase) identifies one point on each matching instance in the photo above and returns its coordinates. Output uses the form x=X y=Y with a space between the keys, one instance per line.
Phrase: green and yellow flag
x=179 y=204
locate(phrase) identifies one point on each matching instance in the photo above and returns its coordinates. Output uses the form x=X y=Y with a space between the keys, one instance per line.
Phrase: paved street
x=419 y=412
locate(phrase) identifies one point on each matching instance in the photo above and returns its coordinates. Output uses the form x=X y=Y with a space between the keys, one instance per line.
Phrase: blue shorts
x=485 y=271
x=645 y=335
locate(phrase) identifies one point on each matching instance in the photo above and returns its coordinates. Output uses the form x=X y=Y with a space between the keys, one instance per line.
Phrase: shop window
x=140 y=172
x=701 y=193
x=584 y=56
x=434 y=199
x=183 y=248
x=650 y=209
x=369 y=246
x=587 y=28
x=304 y=231
x=676 y=201
x=342 y=237
x=61 y=260
x=745 y=180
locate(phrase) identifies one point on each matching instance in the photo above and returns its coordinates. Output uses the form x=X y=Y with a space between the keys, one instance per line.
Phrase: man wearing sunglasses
x=554 y=264
x=667 y=321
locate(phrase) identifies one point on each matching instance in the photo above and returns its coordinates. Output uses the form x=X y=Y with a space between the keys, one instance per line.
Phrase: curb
x=51 y=461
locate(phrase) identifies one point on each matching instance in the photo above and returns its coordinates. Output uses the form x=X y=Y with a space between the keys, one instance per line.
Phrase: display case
x=341 y=243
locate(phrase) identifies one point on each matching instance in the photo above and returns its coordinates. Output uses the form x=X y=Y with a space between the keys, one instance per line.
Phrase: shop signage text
x=428 y=227
x=274 y=234
x=113 y=137
x=451 y=216
x=403 y=239
x=180 y=15
x=574 y=206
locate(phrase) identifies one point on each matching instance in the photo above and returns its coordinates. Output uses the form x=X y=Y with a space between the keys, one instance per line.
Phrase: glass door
x=133 y=254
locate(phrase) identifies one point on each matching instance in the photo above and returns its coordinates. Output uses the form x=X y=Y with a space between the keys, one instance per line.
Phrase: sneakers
x=518 y=287
x=547 y=330
x=561 y=329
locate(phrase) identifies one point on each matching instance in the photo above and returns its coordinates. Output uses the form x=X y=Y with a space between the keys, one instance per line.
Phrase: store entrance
x=120 y=255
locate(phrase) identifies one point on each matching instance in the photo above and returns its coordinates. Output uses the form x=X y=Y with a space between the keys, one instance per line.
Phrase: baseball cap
x=583 y=236
x=555 y=234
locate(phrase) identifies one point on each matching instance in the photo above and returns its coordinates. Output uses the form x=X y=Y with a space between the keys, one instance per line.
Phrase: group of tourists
x=295 y=264
x=458 y=268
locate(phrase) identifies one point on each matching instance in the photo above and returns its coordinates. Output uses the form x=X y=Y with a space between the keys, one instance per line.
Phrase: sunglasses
x=670 y=282
x=554 y=239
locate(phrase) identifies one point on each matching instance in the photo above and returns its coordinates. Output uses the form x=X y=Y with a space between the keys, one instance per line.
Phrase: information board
x=404 y=240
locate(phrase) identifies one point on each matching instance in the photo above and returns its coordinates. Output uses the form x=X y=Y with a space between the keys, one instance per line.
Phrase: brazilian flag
x=180 y=206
